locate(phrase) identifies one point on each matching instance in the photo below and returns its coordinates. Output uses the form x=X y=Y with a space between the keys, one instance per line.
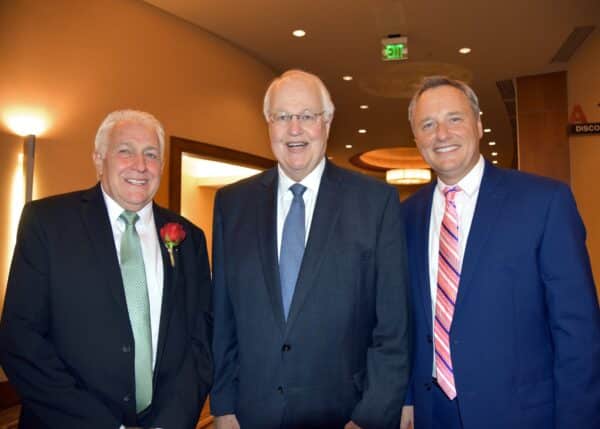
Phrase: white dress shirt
x=285 y=197
x=153 y=264
x=465 y=201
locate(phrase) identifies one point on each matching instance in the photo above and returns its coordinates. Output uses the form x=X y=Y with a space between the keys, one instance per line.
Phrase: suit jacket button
x=280 y=389
x=286 y=348
x=126 y=398
x=428 y=386
x=126 y=349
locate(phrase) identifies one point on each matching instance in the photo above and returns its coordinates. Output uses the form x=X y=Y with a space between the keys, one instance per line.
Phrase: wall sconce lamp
x=27 y=126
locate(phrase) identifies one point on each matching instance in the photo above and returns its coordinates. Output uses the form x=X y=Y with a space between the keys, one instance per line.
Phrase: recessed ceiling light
x=299 y=33
x=348 y=146
x=464 y=50
x=347 y=77
x=492 y=143
x=495 y=161
x=480 y=113
x=494 y=153
x=330 y=157
x=364 y=106
x=487 y=130
x=362 y=131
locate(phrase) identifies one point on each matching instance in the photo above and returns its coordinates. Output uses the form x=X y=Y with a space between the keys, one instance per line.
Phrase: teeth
x=445 y=149
x=136 y=182
x=296 y=144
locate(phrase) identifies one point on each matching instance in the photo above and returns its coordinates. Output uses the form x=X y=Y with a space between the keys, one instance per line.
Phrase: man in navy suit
x=330 y=348
x=506 y=319
x=102 y=328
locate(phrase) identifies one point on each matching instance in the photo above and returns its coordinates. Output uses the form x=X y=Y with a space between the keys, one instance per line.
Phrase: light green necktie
x=138 y=306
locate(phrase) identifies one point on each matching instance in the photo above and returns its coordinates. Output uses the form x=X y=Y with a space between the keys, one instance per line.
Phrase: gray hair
x=113 y=118
x=328 y=106
x=430 y=82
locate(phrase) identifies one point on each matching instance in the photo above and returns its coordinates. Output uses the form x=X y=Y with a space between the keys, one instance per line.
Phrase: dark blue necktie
x=292 y=247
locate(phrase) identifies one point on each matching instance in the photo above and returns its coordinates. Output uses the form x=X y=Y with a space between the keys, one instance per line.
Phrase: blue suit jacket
x=525 y=339
x=343 y=352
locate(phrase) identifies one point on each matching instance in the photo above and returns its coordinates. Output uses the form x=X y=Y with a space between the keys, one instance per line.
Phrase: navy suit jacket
x=525 y=338
x=65 y=339
x=343 y=352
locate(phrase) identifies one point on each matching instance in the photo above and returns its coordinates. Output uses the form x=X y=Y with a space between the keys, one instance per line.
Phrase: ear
x=97 y=158
x=479 y=128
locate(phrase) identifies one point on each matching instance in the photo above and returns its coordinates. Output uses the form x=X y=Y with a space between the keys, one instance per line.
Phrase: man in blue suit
x=326 y=346
x=506 y=320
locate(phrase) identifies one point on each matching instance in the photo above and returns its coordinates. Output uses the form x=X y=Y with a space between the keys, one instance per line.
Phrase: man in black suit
x=102 y=327
x=310 y=299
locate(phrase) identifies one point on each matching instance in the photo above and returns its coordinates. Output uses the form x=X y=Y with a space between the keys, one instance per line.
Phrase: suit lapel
x=421 y=244
x=266 y=219
x=327 y=210
x=489 y=204
x=100 y=237
x=170 y=280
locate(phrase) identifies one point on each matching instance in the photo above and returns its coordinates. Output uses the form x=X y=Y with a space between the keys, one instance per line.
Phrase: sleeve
x=27 y=353
x=388 y=357
x=225 y=346
x=574 y=316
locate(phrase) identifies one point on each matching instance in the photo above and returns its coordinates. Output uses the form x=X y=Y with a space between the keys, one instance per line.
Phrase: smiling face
x=447 y=132
x=130 y=164
x=298 y=147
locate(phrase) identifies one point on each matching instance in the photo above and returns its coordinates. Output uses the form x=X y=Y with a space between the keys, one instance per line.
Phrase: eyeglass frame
x=298 y=116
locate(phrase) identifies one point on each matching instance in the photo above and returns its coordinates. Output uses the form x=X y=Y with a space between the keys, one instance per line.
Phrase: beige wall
x=197 y=204
x=583 y=80
x=78 y=60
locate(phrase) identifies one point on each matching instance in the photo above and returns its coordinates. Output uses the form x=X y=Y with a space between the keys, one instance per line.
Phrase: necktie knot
x=450 y=192
x=129 y=217
x=297 y=189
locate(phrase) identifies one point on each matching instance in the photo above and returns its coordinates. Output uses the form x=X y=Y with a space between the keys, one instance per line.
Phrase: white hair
x=328 y=106
x=114 y=118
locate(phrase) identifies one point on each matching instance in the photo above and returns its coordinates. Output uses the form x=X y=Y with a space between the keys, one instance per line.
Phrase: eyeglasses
x=305 y=118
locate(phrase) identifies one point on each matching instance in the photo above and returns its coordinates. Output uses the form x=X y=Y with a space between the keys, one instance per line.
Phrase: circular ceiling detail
x=400 y=80
x=389 y=158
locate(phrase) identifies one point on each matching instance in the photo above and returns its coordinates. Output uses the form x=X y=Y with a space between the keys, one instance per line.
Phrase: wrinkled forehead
x=133 y=131
x=295 y=94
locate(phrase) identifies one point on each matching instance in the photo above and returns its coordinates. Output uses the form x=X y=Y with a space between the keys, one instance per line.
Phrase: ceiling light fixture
x=362 y=131
x=487 y=130
x=494 y=153
x=464 y=50
x=408 y=176
x=492 y=143
x=299 y=33
x=347 y=78
x=495 y=161
x=348 y=146
x=364 y=106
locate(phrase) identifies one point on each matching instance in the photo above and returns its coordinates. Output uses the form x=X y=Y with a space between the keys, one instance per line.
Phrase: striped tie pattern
x=448 y=279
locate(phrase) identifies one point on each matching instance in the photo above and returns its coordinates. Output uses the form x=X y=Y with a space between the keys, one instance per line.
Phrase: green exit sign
x=394 y=49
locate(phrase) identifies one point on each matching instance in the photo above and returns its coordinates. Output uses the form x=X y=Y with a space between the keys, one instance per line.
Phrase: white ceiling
x=508 y=38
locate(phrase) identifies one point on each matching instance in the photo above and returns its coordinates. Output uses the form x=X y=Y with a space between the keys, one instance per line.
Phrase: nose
x=441 y=132
x=139 y=162
x=294 y=127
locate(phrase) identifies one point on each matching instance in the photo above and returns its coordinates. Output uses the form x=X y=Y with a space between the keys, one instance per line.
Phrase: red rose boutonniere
x=172 y=234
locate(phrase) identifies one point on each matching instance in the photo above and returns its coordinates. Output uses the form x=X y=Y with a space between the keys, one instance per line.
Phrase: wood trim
x=179 y=145
x=8 y=396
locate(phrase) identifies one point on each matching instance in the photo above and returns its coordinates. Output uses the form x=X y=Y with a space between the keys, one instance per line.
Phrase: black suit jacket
x=343 y=352
x=65 y=339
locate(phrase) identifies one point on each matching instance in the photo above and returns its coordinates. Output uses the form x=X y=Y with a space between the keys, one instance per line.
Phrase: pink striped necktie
x=448 y=279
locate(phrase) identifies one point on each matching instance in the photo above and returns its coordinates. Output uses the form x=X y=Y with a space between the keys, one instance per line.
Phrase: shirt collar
x=115 y=210
x=311 y=181
x=471 y=182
